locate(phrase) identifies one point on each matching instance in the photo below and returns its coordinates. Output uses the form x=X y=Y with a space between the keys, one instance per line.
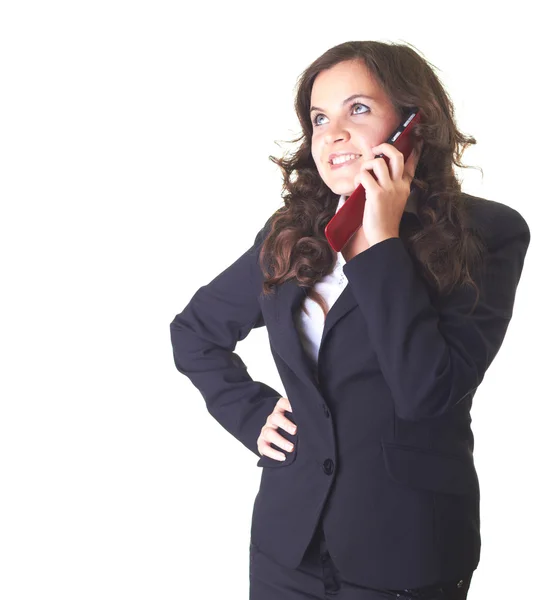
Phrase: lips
x=342 y=152
x=345 y=164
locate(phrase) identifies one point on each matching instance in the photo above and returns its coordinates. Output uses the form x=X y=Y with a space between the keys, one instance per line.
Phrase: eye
x=315 y=120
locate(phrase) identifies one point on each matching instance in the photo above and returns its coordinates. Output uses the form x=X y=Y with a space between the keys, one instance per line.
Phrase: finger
x=377 y=166
x=280 y=420
x=370 y=185
x=271 y=435
x=266 y=449
x=395 y=159
x=284 y=404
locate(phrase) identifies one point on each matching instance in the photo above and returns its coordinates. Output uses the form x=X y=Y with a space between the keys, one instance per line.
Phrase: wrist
x=382 y=236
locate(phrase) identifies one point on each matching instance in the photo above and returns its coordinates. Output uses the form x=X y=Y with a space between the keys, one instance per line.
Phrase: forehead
x=333 y=85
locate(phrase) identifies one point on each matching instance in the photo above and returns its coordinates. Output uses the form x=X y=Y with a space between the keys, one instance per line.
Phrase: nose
x=336 y=134
x=336 y=130
x=339 y=137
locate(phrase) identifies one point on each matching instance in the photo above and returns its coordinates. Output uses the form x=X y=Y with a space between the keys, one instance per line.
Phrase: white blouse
x=310 y=328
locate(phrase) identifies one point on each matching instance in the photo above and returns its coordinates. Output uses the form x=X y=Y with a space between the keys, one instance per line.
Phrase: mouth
x=342 y=165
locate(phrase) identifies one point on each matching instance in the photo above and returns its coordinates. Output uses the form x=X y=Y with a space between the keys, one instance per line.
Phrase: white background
x=134 y=168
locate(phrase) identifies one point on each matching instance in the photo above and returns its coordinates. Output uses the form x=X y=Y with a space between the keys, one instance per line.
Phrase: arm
x=204 y=336
x=432 y=356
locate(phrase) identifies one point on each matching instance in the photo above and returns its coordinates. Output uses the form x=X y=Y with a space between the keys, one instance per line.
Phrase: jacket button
x=460 y=583
x=328 y=466
x=326 y=411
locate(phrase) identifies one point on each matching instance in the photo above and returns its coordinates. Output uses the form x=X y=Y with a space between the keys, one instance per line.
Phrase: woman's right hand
x=270 y=434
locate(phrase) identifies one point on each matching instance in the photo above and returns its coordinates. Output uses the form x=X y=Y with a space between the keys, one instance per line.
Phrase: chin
x=343 y=185
x=342 y=189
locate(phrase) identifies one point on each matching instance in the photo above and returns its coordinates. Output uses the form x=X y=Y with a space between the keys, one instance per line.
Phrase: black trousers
x=317 y=578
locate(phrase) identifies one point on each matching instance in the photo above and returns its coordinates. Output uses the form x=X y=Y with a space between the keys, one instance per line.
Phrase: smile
x=343 y=164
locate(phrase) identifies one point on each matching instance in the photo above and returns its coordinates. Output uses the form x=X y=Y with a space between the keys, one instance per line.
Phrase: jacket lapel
x=279 y=309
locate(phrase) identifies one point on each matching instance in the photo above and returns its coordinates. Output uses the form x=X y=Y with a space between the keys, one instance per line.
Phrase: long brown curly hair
x=445 y=247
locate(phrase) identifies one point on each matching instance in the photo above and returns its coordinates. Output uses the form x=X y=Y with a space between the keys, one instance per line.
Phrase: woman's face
x=344 y=125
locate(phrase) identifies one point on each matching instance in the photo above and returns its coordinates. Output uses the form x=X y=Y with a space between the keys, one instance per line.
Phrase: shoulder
x=494 y=221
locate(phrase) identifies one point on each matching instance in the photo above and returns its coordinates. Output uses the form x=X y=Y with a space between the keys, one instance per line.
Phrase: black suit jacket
x=384 y=446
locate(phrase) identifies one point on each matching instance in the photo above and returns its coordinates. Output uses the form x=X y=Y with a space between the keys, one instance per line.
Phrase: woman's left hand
x=385 y=198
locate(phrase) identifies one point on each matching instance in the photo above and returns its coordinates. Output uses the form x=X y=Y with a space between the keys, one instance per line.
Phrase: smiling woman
x=368 y=487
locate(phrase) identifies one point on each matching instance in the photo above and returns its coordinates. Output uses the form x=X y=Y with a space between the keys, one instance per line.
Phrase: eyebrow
x=348 y=100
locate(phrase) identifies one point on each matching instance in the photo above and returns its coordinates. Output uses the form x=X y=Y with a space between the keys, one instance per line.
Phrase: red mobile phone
x=348 y=219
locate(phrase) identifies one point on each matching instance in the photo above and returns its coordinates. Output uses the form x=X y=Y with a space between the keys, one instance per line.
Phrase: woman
x=380 y=347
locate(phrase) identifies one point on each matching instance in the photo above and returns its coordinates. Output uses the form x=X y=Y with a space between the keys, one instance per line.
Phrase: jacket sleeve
x=204 y=336
x=434 y=353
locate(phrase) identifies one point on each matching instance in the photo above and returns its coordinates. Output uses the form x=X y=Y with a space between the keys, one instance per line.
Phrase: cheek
x=316 y=153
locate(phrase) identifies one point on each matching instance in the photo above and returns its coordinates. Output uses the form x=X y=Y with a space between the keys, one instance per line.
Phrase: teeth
x=344 y=158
